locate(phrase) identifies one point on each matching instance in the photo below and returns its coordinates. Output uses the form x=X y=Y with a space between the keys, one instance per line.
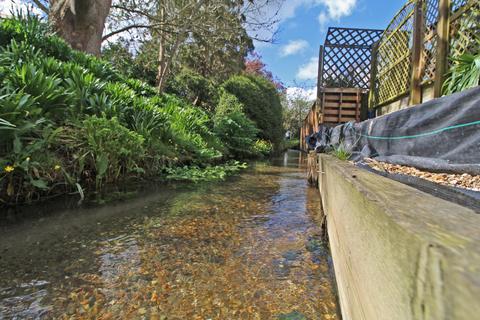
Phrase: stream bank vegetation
x=72 y=122
x=341 y=152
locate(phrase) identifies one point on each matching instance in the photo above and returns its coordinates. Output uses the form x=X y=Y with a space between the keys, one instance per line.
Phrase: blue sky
x=302 y=29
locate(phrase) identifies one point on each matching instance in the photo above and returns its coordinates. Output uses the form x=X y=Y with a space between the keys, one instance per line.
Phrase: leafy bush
x=262 y=147
x=37 y=34
x=233 y=127
x=68 y=118
x=238 y=134
x=190 y=131
x=108 y=148
x=195 y=88
x=261 y=103
x=141 y=88
x=465 y=70
x=227 y=104
x=28 y=167
x=119 y=56
x=464 y=73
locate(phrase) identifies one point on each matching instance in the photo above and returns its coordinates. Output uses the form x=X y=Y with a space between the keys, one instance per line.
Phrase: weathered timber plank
x=399 y=253
x=336 y=119
x=344 y=112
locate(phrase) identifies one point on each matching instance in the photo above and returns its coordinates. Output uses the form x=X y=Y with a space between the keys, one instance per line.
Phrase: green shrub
x=238 y=134
x=261 y=103
x=464 y=73
x=20 y=110
x=194 y=88
x=28 y=168
x=108 y=148
x=69 y=118
x=119 y=56
x=465 y=69
x=227 y=104
x=190 y=130
x=233 y=127
x=36 y=33
x=141 y=88
x=27 y=28
x=262 y=147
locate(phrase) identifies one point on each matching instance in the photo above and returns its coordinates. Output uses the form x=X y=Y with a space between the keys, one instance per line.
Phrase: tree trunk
x=161 y=54
x=164 y=66
x=80 y=22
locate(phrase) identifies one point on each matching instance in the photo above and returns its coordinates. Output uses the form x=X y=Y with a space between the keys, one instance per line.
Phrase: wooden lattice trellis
x=410 y=51
x=430 y=40
x=346 y=57
x=465 y=26
x=393 y=57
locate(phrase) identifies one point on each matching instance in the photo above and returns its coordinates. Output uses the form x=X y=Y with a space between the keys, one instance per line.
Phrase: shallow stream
x=246 y=248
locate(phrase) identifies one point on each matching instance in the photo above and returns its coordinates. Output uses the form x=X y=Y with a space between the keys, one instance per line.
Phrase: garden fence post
x=320 y=73
x=373 y=75
x=417 y=51
x=443 y=39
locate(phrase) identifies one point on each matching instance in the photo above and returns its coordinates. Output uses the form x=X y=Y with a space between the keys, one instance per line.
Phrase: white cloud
x=329 y=10
x=335 y=10
x=323 y=20
x=309 y=94
x=308 y=71
x=293 y=47
x=339 y=8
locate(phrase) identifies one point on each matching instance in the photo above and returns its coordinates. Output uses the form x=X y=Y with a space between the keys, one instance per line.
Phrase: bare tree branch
x=135 y=26
x=41 y=6
x=131 y=10
x=130 y=27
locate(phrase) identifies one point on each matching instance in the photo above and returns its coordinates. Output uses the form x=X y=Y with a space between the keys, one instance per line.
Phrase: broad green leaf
x=17 y=145
x=39 y=183
x=101 y=165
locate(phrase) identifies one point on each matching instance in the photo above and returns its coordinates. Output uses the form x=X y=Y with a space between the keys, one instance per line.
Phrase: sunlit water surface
x=246 y=248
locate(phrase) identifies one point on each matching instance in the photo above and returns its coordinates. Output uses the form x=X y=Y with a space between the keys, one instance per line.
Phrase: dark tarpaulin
x=441 y=135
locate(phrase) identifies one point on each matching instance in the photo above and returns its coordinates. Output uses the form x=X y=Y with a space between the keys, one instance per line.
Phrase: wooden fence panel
x=413 y=51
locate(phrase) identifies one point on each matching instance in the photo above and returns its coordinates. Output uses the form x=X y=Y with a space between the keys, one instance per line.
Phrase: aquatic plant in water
x=208 y=173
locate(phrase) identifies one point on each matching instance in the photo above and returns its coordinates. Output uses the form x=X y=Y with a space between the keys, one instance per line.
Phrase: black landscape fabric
x=441 y=135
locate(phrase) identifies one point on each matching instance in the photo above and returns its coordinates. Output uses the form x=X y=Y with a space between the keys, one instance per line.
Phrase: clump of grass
x=341 y=152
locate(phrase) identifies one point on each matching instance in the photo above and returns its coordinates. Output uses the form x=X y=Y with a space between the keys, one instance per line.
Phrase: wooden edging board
x=398 y=252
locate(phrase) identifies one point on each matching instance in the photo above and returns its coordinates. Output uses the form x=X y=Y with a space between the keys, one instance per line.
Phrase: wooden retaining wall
x=398 y=253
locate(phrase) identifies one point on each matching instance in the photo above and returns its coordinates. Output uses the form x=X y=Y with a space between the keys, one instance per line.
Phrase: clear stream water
x=246 y=248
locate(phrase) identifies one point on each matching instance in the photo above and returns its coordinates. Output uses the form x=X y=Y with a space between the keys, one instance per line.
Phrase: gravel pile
x=465 y=180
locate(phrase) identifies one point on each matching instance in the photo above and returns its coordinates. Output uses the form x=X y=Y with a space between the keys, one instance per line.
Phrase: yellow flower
x=57 y=167
x=28 y=159
x=8 y=169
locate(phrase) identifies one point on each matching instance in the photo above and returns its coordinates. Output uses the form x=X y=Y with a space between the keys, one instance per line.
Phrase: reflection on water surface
x=247 y=248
